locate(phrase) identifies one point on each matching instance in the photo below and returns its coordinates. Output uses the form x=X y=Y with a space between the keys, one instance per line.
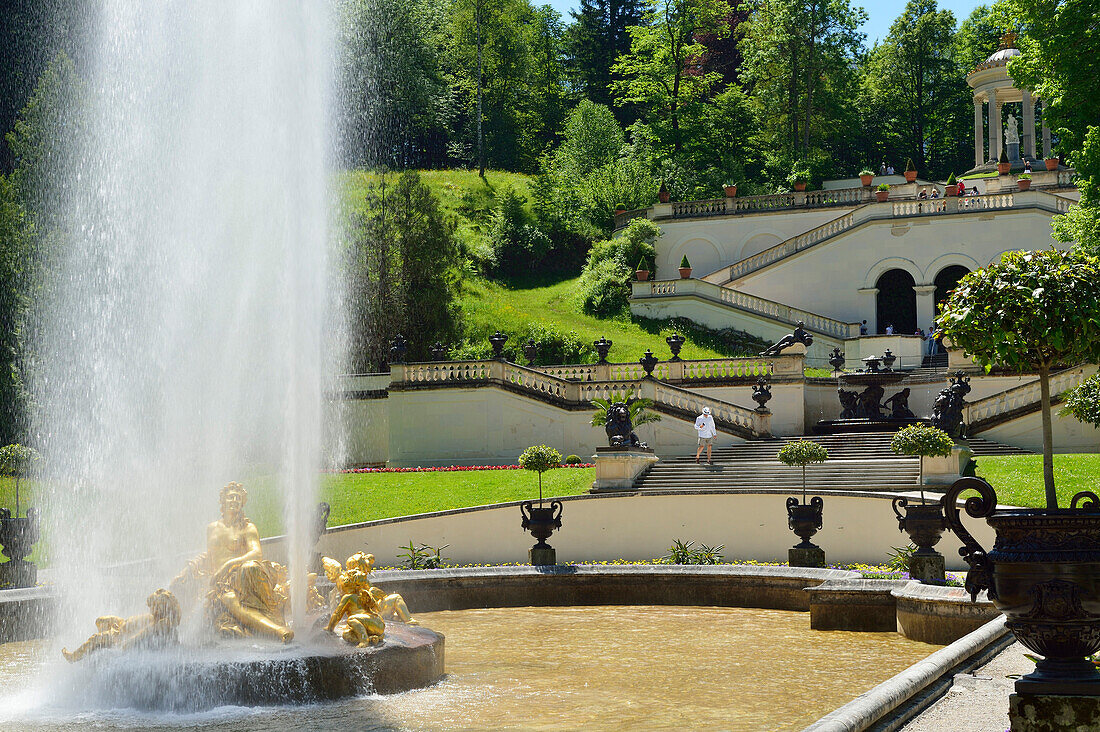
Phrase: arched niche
x=946 y=280
x=896 y=301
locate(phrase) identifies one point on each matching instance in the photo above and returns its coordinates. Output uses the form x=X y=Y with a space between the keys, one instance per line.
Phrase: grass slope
x=1018 y=479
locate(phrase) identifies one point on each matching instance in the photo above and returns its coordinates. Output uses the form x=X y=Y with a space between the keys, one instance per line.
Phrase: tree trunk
x=480 y=77
x=803 y=483
x=540 y=489
x=1048 y=438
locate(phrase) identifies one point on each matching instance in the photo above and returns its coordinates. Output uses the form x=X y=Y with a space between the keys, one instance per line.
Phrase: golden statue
x=390 y=606
x=153 y=629
x=244 y=594
x=363 y=625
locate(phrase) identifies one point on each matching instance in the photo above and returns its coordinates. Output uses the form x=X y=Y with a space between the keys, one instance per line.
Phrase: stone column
x=869 y=308
x=1046 y=133
x=979 y=129
x=1028 y=140
x=996 y=134
x=926 y=305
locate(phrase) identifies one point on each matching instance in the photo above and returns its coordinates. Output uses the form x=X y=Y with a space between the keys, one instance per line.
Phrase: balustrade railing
x=772 y=202
x=691 y=402
x=791 y=246
x=442 y=371
x=687 y=209
x=624 y=218
x=1023 y=396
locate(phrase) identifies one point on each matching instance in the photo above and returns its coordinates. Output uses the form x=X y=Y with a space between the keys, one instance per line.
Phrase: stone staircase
x=856 y=462
x=982 y=447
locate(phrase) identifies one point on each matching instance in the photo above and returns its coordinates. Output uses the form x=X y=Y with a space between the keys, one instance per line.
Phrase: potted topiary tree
x=882 y=192
x=924 y=523
x=662 y=194
x=1034 y=311
x=866 y=176
x=1003 y=164
x=642 y=272
x=620 y=208
x=18 y=534
x=685 y=268
x=541 y=521
x=1023 y=181
x=910 y=171
x=952 y=186
x=804 y=519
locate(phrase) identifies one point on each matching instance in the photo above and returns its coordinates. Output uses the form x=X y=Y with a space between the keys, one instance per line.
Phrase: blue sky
x=880 y=13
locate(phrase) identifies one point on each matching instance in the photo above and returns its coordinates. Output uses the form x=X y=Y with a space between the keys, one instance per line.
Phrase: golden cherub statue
x=153 y=629
x=358 y=608
x=390 y=606
x=243 y=593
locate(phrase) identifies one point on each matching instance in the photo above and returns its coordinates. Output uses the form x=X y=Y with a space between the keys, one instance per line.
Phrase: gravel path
x=978 y=701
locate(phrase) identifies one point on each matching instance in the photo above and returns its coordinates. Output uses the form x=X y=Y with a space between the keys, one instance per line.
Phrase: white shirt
x=889 y=330
x=704 y=425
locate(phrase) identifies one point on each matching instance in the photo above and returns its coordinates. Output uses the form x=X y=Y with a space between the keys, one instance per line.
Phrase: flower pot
x=800 y=186
x=664 y=196
x=881 y=196
x=951 y=191
x=924 y=524
x=1024 y=184
x=910 y=176
x=865 y=180
x=1051 y=163
x=731 y=191
x=1003 y=168
x=642 y=275
x=1043 y=573
x=541 y=522
x=804 y=519
x=685 y=273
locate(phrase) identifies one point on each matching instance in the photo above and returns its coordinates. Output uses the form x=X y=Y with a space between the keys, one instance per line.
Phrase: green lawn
x=1018 y=479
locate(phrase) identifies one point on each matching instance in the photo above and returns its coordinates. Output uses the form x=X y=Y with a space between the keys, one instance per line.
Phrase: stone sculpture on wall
x=798 y=336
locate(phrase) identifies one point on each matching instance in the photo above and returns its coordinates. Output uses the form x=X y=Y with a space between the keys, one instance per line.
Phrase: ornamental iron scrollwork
x=980 y=576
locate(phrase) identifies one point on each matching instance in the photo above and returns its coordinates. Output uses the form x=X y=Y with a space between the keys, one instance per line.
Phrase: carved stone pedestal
x=946 y=470
x=618 y=467
x=806 y=557
x=1040 y=713
x=541 y=556
x=927 y=568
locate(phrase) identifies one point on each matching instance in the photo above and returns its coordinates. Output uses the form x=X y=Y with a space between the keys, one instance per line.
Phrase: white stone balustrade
x=1025 y=395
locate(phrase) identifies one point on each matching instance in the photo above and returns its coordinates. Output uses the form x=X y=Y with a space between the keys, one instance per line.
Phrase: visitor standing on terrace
x=704 y=426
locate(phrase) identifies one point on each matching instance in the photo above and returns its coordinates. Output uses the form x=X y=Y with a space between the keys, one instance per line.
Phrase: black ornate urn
x=888 y=360
x=602 y=346
x=648 y=362
x=762 y=394
x=1043 y=573
x=541 y=521
x=836 y=360
x=530 y=351
x=497 y=341
x=804 y=519
x=675 y=343
x=439 y=352
x=398 y=349
x=17 y=536
x=923 y=522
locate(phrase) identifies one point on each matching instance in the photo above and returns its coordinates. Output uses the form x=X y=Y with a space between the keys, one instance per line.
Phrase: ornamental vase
x=541 y=520
x=924 y=523
x=804 y=519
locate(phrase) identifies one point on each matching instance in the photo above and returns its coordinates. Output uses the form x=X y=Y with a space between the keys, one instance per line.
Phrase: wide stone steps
x=854 y=446
x=982 y=446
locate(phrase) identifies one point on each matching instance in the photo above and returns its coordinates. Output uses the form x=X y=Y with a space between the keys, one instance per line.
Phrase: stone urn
x=541 y=521
x=17 y=536
x=496 y=342
x=804 y=519
x=603 y=347
x=1043 y=573
x=925 y=524
x=675 y=343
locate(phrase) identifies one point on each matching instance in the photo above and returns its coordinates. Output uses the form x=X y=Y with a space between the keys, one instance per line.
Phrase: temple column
x=926 y=305
x=869 y=308
x=996 y=134
x=1028 y=145
x=979 y=130
x=1046 y=133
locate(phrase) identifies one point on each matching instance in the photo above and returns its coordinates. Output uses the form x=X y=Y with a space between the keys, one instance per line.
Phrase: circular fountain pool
x=593 y=668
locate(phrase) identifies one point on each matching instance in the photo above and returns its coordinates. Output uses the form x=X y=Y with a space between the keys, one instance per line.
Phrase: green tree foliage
x=1083 y=402
x=540 y=458
x=802 y=453
x=925 y=441
x=402 y=262
x=1031 y=310
x=639 y=407
x=17 y=461
x=517 y=245
x=800 y=70
x=605 y=283
x=977 y=38
x=595 y=40
x=916 y=93
x=14 y=246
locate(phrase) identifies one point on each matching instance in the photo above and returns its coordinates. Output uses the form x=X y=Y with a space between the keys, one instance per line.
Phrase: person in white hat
x=704 y=425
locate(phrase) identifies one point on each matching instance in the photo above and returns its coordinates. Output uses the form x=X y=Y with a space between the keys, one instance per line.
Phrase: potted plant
x=685 y=268
x=1023 y=181
x=620 y=208
x=730 y=190
x=1034 y=311
x=804 y=519
x=800 y=175
x=642 y=272
x=882 y=192
x=866 y=176
x=910 y=171
x=18 y=534
x=952 y=187
x=1051 y=163
x=541 y=521
x=1003 y=165
x=662 y=193
x=923 y=523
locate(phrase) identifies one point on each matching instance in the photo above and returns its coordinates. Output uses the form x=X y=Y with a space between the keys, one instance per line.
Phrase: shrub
x=639 y=409
x=951 y=180
x=682 y=552
x=923 y=440
x=422 y=556
x=643 y=266
x=883 y=186
x=540 y=458
x=1083 y=402
x=517 y=245
x=573 y=460
x=866 y=171
x=1024 y=176
x=800 y=173
x=802 y=452
x=605 y=283
x=684 y=263
x=16 y=461
x=909 y=167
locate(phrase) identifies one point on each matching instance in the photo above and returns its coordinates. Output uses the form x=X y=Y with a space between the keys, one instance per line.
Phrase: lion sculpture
x=620 y=431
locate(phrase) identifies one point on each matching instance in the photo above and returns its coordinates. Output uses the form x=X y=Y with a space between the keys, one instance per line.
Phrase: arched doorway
x=946 y=280
x=896 y=301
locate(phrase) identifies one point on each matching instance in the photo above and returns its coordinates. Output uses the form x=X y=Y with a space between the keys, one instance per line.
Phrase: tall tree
x=977 y=38
x=595 y=40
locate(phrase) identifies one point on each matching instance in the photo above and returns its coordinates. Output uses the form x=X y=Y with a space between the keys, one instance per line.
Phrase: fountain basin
x=196 y=679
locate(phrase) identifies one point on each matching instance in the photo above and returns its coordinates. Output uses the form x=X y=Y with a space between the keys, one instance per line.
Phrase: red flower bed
x=446 y=469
